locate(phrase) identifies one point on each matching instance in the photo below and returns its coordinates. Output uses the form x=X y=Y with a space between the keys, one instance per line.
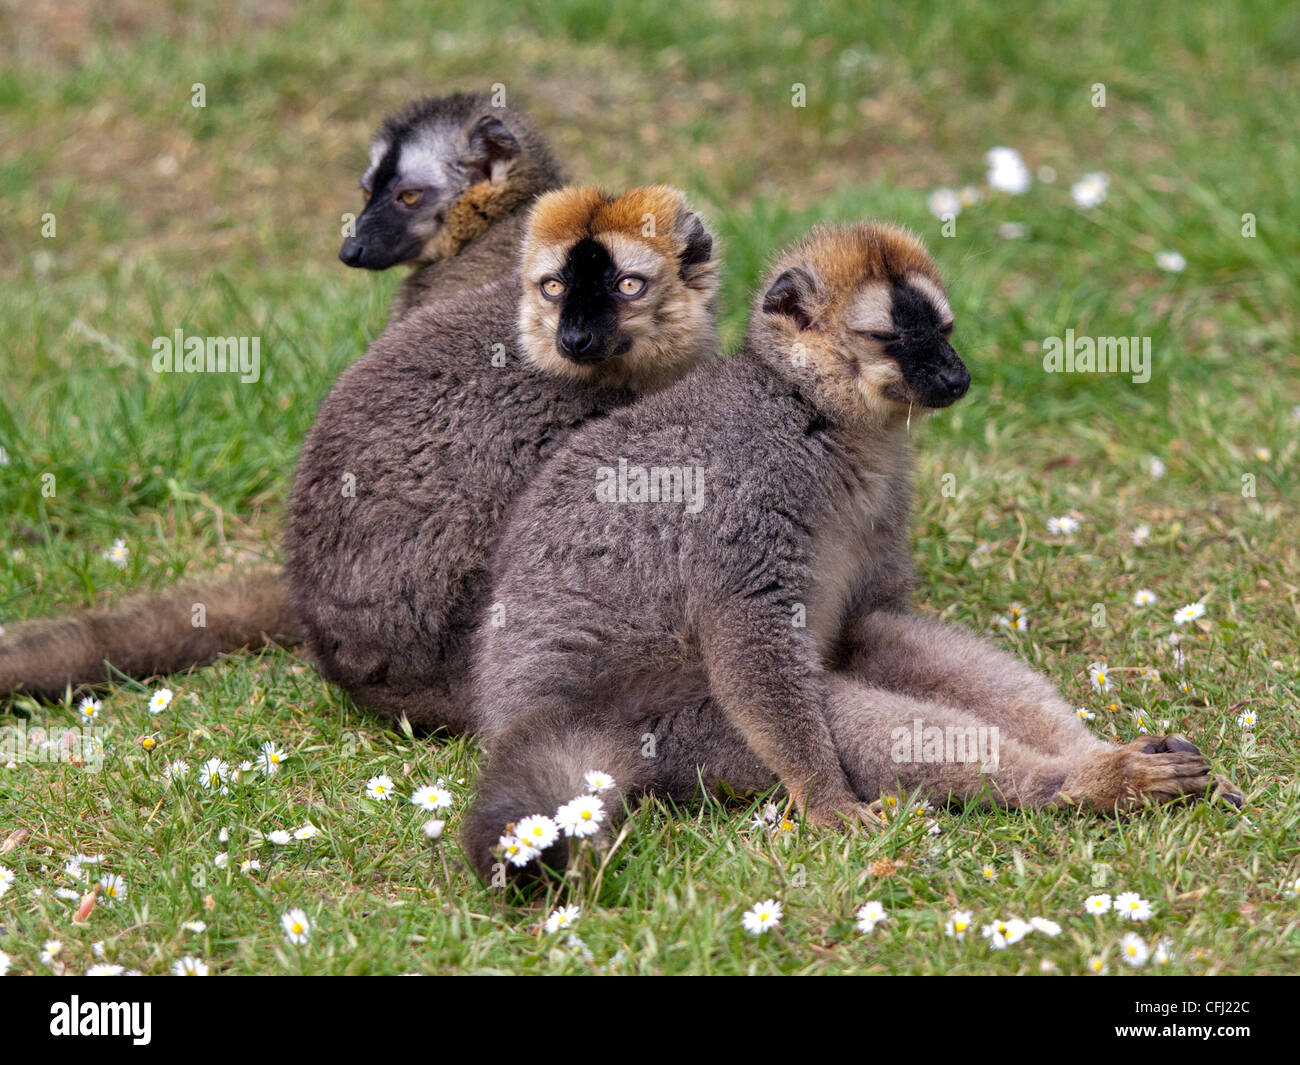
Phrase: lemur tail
x=539 y=768
x=146 y=635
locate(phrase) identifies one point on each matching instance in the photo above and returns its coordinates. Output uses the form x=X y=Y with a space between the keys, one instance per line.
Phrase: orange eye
x=552 y=288
x=365 y=195
x=631 y=286
x=411 y=197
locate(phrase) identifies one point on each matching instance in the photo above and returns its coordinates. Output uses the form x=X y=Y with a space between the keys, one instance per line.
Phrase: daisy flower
x=1144 y=597
x=765 y=915
x=958 y=924
x=195 y=926
x=537 y=831
x=1263 y=454
x=1062 y=526
x=1132 y=906
x=433 y=829
x=114 y=887
x=1085 y=714
x=297 y=926
x=1090 y=190
x=1096 y=966
x=67 y=894
x=50 y=951
x=431 y=797
x=598 y=781
x=250 y=865
x=105 y=969
x=516 y=852
x=1171 y=261
x=944 y=204
x=582 y=816
x=1097 y=904
x=1002 y=934
x=989 y=872
x=1100 y=677
x=1246 y=719
x=89 y=708
x=4 y=963
x=1190 y=612
x=564 y=917
x=6 y=879
x=190 y=966
x=1133 y=949
x=1149 y=673
x=1164 y=952
x=271 y=759
x=1156 y=467
x=1042 y=924
x=869 y=916
x=214 y=774
x=307 y=831
x=279 y=837
x=221 y=860
x=380 y=788
x=117 y=554
x=1292 y=890
x=1140 y=535
x=1007 y=171
x=160 y=700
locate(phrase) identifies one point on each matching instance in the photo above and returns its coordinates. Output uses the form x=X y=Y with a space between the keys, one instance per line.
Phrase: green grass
x=225 y=221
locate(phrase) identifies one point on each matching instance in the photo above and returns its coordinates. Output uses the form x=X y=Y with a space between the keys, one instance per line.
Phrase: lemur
x=449 y=185
x=417 y=454
x=756 y=630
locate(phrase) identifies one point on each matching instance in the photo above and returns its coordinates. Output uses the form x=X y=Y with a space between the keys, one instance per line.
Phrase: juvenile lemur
x=757 y=628
x=449 y=186
x=405 y=480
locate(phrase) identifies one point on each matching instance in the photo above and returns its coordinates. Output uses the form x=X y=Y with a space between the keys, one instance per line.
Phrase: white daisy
x=380 y=788
x=117 y=554
x=958 y=924
x=764 y=916
x=1007 y=171
x=517 y=852
x=944 y=204
x=1133 y=949
x=1190 y=612
x=1048 y=928
x=50 y=951
x=1090 y=190
x=433 y=829
x=221 y=860
x=214 y=774
x=105 y=969
x=1096 y=966
x=271 y=759
x=1140 y=535
x=1246 y=719
x=1132 y=907
x=988 y=872
x=195 y=926
x=1062 y=526
x=1085 y=714
x=1100 y=677
x=431 y=797
x=1144 y=597
x=250 y=865
x=564 y=917
x=89 y=708
x=307 y=831
x=279 y=837
x=537 y=831
x=113 y=887
x=189 y=966
x=869 y=916
x=6 y=879
x=297 y=926
x=582 y=816
x=1171 y=261
x=1097 y=904
x=1164 y=952
x=160 y=700
x=4 y=963
x=598 y=781
x=1262 y=453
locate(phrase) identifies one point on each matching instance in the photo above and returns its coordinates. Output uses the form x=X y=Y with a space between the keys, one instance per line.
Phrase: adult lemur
x=757 y=626
x=449 y=186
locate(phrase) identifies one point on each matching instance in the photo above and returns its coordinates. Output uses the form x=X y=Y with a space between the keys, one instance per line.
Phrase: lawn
x=130 y=213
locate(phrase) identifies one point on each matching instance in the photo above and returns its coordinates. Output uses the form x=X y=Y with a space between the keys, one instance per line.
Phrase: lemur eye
x=552 y=288
x=411 y=197
x=631 y=285
x=884 y=338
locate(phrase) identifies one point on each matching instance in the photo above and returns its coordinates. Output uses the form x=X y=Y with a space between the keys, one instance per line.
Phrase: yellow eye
x=631 y=286
x=552 y=288
x=411 y=197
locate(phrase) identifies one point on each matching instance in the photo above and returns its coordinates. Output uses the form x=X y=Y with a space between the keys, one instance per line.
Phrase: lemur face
x=863 y=308
x=419 y=167
x=628 y=278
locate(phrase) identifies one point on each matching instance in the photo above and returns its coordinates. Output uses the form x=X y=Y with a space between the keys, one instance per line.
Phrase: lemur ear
x=695 y=263
x=790 y=295
x=491 y=148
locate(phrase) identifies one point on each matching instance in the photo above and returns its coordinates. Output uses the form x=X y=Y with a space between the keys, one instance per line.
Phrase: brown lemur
x=406 y=478
x=712 y=586
x=449 y=186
